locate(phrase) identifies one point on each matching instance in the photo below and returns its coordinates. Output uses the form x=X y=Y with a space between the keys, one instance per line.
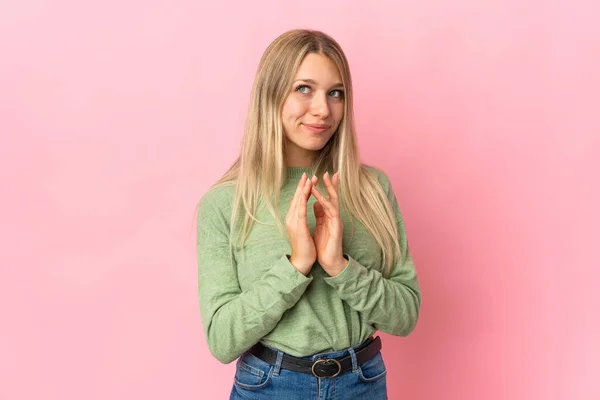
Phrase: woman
x=302 y=251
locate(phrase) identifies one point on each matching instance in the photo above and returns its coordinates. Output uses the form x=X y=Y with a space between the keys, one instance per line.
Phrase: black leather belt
x=321 y=368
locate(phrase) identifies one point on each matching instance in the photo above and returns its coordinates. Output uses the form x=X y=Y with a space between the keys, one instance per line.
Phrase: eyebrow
x=312 y=81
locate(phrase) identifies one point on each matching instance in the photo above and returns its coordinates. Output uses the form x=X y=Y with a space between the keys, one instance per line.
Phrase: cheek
x=338 y=111
x=293 y=109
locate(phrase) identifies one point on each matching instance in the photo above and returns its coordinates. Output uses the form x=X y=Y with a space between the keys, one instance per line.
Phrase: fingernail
x=314 y=177
x=303 y=175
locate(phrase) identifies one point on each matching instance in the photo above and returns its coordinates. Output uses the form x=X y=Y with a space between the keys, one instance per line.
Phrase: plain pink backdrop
x=116 y=116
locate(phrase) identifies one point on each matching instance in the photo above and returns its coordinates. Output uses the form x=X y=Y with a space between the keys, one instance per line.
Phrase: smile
x=316 y=128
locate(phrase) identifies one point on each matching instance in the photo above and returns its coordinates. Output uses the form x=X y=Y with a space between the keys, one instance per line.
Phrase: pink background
x=116 y=116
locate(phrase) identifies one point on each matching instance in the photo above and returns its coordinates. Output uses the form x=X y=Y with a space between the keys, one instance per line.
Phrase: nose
x=320 y=106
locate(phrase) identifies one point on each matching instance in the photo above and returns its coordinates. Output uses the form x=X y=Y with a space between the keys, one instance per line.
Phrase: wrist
x=339 y=266
x=301 y=267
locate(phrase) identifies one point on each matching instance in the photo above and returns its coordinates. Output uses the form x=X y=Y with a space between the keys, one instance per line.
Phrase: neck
x=299 y=162
x=296 y=157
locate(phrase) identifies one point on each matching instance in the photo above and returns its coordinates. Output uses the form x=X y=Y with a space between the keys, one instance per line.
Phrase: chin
x=312 y=144
x=314 y=147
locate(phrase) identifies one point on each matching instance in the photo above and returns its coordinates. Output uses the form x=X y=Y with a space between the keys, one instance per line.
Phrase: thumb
x=318 y=209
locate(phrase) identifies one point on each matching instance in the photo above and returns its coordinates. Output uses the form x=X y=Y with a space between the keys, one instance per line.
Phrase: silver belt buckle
x=327 y=362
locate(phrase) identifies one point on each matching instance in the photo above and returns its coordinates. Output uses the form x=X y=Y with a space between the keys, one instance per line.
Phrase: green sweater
x=262 y=297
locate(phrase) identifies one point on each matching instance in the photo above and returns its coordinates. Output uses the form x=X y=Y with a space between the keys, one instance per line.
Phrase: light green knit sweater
x=262 y=297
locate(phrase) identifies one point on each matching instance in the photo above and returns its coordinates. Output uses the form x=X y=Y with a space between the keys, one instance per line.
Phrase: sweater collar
x=296 y=172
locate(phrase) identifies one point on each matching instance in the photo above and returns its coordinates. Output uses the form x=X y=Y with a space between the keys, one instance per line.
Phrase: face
x=313 y=110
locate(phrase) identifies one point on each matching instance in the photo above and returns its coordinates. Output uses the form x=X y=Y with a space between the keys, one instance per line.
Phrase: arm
x=390 y=304
x=233 y=320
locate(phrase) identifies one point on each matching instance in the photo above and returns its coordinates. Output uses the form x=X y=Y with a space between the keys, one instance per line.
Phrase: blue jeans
x=257 y=380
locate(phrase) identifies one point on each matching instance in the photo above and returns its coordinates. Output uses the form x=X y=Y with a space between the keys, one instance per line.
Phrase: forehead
x=318 y=68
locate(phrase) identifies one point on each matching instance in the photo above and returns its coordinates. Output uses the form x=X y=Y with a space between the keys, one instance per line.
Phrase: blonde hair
x=260 y=171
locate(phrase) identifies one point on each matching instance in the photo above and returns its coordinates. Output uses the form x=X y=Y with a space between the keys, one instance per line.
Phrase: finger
x=331 y=189
x=336 y=184
x=327 y=206
x=306 y=188
x=314 y=180
x=301 y=207
x=302 y=199
x=336 y=181
x=319 y=212
x=301 y=184
x=299 y=188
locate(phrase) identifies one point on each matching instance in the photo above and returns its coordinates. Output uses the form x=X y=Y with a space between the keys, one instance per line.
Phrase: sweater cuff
x=348 y=274
x=290 y=279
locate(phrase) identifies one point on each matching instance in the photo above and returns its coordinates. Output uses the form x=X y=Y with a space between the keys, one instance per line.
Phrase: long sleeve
x=233 y=320
x=390 y=304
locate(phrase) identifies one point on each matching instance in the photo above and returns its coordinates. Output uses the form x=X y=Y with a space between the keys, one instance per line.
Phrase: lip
x=317 y=128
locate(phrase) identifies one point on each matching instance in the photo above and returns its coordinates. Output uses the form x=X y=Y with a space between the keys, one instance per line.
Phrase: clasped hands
x=325 y=246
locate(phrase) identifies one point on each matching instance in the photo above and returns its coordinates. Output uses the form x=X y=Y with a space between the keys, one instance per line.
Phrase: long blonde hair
x=260 y=171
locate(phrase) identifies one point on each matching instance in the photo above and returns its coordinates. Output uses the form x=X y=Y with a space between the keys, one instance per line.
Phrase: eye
x=337 y=93
x=303 y=89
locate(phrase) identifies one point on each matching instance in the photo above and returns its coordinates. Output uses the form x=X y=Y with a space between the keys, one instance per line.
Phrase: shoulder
x=218 y=198
x=380 y=175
